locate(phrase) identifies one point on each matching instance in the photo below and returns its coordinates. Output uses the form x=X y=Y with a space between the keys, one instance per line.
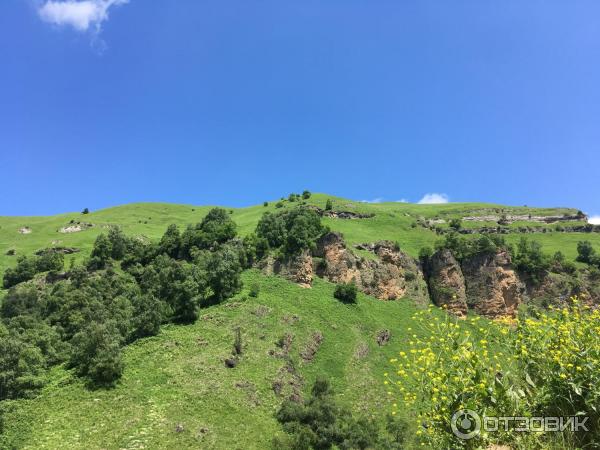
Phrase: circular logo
x=466 y=424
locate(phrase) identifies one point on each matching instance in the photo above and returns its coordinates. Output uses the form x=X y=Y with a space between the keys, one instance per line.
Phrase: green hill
x=176 y=391
x=393 y=221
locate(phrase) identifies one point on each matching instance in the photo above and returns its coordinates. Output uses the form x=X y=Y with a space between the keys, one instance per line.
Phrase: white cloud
x=594 y=220
x=80 y=15
x=375 y=200
x=433 y=198
x=402 y=200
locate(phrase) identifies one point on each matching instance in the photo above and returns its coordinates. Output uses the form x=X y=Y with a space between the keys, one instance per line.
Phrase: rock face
x=393 y=275
x=492 y=285
x=447 y=283
x=298 y=269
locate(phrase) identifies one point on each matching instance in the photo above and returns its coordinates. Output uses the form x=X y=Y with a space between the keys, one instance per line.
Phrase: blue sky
x=106 y=102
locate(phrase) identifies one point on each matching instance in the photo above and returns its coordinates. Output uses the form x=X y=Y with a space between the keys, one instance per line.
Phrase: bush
x=85 y=211
x=585 y=252
x=254 y=290
x=554 y=362
x=328 y=205
x=320 y=423
x=265 y=204
x=306 y=195
x=455 y=224
x=346 y=292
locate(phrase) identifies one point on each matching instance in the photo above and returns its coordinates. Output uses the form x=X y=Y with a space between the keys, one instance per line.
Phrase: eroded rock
x=493 y=287
x=447 y=283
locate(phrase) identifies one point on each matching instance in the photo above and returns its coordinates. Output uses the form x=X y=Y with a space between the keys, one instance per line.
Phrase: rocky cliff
x=485 y=283
x=447 y=283
x=493 y=287
x=391 y=275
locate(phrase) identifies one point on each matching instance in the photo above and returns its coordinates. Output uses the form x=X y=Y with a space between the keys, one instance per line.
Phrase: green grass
x=393 y=221
x=179 y=377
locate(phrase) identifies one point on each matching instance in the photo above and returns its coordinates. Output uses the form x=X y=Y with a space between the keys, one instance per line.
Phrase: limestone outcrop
x=447 y=283
x=493 y=287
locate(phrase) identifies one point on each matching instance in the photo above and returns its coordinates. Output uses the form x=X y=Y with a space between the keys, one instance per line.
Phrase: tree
x=306 y=195
x=101 y=253
x=223 y=271
x=25 y=270
x=147 y=317
x=97 y=354
x=170 y=243
x=85 y=211
x=585 y=252
x=21 y=300
x=21 y=366
x=292 y=231
x=328 y=205
x=50 y=260
x=214 y=230
x=530 y=260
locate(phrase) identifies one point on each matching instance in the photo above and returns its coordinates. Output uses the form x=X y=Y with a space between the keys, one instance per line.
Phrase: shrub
x=306 y=195
x=85 y=211
x=321 y=423
x=265 y=204
x=585 y=252
x=328 y=205
x=533 y=367
x=346 y=292
x=254 y=290
x=279 y=204
x=455 y=224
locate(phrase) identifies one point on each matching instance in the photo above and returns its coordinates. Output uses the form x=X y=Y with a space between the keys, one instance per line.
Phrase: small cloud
x=375 y=200
x=594 y=220
x=402 y=200
x=433 y=198
x=81 y=15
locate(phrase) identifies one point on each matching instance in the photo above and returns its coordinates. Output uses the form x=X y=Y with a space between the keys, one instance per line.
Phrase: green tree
x=97 y=354
x=585 y=252
x=328 y=205
x=170 y=243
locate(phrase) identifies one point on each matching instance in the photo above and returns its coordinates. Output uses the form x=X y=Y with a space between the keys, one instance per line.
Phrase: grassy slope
x=178 y=377
x=392 y=221
x=175 y=378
